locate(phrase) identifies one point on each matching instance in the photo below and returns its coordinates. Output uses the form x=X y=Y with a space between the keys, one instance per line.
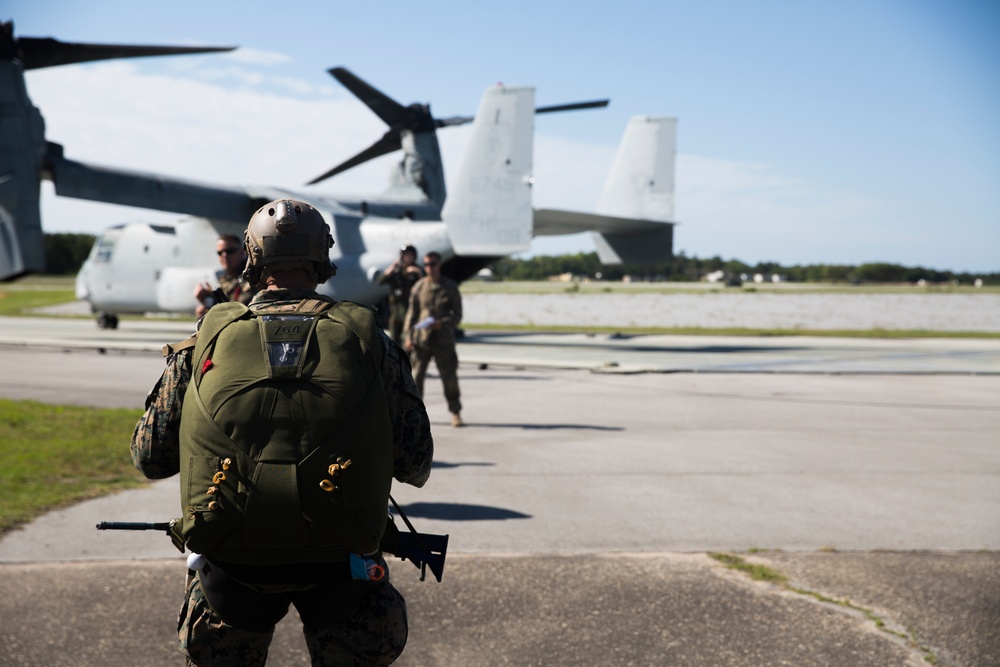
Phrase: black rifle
x=165 y=526
x=168 y=527
x=422 y=549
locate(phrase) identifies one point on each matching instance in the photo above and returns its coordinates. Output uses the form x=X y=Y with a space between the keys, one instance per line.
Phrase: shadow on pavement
x=461 y=512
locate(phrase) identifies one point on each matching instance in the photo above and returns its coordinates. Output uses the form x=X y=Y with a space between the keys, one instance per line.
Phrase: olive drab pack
x=286 y=445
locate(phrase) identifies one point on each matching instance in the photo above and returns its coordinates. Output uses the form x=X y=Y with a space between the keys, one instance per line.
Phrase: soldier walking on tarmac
x=435 y=312
x=287 y=421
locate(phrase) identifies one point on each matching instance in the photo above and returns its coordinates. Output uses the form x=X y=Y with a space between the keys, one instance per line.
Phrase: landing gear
x=107 y=321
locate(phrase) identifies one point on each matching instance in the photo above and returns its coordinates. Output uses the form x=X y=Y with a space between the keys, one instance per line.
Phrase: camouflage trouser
x=373 y=632
x=446 y=359
x=397 y=314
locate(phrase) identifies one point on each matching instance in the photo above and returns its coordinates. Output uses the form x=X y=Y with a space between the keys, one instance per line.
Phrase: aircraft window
x=103 y=250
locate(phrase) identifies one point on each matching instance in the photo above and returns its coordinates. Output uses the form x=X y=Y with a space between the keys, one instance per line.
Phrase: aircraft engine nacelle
x=22 y=151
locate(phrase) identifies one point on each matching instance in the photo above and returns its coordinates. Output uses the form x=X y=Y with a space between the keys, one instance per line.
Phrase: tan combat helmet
x=287 y=234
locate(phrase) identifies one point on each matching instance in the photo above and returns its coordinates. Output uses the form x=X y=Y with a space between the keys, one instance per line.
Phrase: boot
x=456 y=420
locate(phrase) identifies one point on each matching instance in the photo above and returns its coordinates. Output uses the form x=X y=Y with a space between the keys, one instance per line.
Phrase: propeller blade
x=389 y=110
x=595 y=104
x=389 y=142
x=462 y=120
x=39 y=52
x=454 y=120
x=415 y=118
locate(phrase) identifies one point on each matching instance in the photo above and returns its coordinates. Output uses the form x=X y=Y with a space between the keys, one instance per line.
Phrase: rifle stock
x=422 y=549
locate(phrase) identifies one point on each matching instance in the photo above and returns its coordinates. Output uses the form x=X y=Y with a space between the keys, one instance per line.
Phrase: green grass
x=753 y=570
x=53 y=455
x=16 y=300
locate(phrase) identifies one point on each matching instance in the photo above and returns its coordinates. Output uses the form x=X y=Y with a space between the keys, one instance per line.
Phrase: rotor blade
x=454 y=120
x=595 y=104
x=389 y=142
x=38 y=52
x=573 y=106
x=389 y=110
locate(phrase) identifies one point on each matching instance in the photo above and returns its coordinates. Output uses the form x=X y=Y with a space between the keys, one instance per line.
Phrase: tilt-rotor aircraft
x=139 y=267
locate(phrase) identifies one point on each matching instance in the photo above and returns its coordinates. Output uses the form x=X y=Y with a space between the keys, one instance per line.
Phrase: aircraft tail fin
x=633 y=220
x=640 y=186
x=641 y=182
x=488 y=212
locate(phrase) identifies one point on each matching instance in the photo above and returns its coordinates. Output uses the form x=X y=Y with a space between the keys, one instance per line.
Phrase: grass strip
x=17 y=302
x=54 y=455
x=759 y=572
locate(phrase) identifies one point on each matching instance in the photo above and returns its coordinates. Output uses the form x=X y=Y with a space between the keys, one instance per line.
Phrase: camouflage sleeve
x=155 y=441
x=387 y=276
x=456 y=305
x=413 y=446
x=412 y=311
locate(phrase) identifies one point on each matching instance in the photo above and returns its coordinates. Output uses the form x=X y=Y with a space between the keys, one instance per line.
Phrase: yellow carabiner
x=327 y=486
x=226 y=463
x=339 y=465
x=219 y=477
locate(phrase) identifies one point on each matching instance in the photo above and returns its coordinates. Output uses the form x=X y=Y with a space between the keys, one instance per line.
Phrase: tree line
x=684 y=268
x=65 y=254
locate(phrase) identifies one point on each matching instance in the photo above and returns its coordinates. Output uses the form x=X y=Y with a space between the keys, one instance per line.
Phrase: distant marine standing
x=401 y=276
x=434 y=314
x=230 y=278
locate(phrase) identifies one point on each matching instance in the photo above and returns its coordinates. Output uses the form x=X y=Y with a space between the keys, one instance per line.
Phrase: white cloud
x=252 y=56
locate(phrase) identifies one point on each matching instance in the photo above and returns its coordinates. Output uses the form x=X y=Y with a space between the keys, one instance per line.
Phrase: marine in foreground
x=287 y=421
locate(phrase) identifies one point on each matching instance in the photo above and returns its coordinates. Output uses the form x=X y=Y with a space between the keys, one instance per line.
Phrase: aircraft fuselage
x=137 y=267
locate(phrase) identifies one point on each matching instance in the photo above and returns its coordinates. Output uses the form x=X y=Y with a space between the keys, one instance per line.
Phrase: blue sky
x=842 y=132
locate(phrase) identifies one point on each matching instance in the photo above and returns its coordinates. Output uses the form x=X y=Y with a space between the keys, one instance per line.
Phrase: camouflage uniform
x=235 y=288
x=400 y=282
x=372 y=628
x=442 y=301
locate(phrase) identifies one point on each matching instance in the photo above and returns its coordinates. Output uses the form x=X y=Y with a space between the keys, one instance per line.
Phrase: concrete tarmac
x=583 y=508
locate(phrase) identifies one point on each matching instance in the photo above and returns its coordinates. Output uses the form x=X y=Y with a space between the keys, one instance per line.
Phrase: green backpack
x=285 y=439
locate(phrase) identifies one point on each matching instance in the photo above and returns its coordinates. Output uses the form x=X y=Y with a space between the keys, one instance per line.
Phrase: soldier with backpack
x=287 y=421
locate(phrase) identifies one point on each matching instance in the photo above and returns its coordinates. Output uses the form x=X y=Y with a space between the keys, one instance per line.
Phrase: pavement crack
x=765 y=573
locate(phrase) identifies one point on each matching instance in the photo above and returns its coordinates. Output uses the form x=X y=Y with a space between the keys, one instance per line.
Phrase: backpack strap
x=361 y=320
x=186 y=344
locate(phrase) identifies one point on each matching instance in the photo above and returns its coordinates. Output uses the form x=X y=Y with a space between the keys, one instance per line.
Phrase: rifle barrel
x=133 y=525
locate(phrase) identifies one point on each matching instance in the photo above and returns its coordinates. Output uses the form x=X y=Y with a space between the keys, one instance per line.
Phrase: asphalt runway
x=583 y=475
